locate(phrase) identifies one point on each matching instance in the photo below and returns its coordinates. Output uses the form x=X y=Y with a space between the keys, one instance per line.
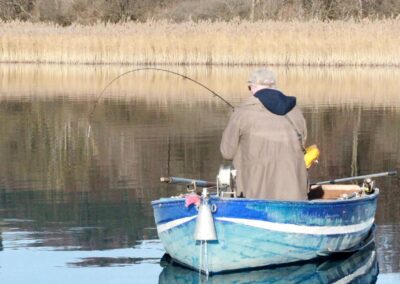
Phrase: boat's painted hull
x=255 y=233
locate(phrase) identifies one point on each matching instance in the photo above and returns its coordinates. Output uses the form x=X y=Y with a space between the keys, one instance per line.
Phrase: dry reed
x=365 y=43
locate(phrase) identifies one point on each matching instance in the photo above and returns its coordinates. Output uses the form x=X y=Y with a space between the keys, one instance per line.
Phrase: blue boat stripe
x=301 y=229
x=169 y=225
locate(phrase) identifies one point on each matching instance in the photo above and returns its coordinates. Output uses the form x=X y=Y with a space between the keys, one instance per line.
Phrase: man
x=265 y=137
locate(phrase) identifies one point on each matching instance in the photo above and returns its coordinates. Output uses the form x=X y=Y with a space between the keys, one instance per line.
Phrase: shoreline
x=155 y=64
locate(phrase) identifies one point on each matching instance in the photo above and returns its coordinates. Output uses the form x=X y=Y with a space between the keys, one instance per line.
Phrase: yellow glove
x=311 y=156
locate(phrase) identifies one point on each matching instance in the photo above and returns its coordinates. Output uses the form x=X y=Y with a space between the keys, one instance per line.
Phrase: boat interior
x=335 y=191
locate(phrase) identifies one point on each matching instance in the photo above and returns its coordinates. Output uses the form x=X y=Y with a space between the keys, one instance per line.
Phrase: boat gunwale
x=295 y=203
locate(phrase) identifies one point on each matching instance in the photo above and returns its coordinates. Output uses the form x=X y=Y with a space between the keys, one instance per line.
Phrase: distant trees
x=65 y=12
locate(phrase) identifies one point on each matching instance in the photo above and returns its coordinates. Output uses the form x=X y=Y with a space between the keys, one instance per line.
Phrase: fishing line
x=154 y=69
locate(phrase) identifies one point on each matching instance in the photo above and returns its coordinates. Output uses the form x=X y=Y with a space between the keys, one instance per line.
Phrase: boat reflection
x=359 y=267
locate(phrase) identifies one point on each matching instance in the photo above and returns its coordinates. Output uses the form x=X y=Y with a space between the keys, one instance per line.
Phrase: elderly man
x=264 y=138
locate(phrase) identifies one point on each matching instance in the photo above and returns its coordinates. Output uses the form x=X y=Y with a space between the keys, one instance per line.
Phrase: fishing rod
x=334 y=181
x=187 y=181
x=155 y=69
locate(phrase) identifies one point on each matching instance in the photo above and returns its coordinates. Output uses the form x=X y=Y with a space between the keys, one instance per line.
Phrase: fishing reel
x=368 y=186
x=226 y=186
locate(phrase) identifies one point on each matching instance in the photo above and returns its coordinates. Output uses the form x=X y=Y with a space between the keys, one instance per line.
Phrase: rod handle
x=165 y=179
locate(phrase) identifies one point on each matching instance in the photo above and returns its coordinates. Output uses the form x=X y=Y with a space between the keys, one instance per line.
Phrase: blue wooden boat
x=255 y=233
x=224 y=233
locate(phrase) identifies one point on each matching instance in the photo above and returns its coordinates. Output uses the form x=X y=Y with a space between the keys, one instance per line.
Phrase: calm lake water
x=75 y=193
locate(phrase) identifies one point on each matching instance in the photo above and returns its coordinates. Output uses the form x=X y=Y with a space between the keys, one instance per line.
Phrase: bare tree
x=65 y=12
x=253 y=7
x=17 y=9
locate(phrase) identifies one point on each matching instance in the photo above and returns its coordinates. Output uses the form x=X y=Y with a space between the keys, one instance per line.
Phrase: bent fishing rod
x=154 y=69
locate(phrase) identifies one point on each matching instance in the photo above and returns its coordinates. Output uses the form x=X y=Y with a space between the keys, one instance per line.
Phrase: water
x=76 y=209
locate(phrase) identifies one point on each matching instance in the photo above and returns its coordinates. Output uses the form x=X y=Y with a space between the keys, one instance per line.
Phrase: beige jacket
x=266 y=152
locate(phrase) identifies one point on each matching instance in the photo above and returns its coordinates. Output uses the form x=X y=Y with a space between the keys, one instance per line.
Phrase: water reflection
x=87 y=199
x=77 y=221
x=114 y=261
x=367 y=87
x=360 y=267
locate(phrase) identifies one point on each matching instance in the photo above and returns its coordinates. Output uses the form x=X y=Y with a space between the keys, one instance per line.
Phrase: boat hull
x=256 y=233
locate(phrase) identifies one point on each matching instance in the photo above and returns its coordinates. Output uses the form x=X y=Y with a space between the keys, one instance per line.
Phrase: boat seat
x=333 y=191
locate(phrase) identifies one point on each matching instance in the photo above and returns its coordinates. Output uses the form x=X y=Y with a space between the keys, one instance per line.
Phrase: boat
x=357 y=267
x=226 y=233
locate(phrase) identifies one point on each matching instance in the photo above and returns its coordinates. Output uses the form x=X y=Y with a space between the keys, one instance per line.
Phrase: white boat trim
x=300 y=229
x=279 y=227
x=174 y=223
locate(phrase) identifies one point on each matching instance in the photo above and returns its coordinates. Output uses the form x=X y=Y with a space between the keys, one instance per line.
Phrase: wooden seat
x=332 y=191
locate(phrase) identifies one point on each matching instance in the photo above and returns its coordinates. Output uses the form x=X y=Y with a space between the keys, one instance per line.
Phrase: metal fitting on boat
x=369 y=186
x=205 y=227
x=226 y=181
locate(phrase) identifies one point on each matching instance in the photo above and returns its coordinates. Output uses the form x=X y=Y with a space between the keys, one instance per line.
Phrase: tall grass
x=222 y=43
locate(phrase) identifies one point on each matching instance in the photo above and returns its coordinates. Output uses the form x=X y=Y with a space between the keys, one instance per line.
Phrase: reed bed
x=352 y=43
x=313 y=86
